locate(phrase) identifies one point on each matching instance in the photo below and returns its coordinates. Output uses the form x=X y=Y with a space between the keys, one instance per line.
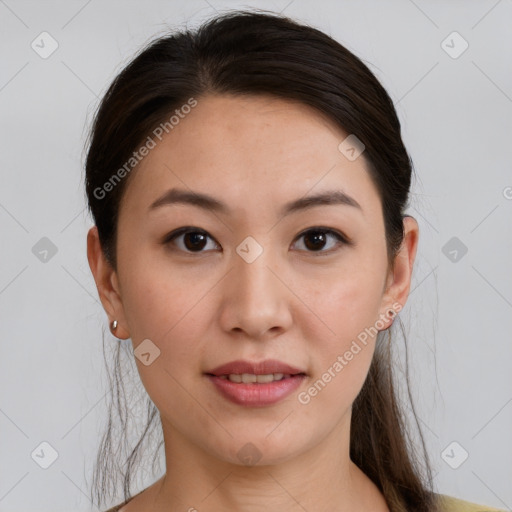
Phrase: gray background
x=456 y=115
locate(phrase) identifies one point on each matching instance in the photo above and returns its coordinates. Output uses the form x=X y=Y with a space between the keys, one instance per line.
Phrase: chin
x=259 y=447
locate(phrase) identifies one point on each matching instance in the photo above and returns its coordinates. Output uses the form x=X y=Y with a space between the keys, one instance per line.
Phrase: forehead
x=233 y=127
x=250 y=149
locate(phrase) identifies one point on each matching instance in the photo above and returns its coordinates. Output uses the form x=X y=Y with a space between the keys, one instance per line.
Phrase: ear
x=399 y=277
x=106 y=283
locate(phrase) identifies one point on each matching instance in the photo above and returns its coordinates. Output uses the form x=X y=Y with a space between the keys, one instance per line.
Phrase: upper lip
x=265 y=367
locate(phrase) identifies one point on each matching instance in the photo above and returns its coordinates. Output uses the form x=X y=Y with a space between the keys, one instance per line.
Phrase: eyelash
x=342 y=239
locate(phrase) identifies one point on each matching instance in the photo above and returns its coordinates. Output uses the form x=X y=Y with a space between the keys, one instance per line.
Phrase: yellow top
x=448 y=504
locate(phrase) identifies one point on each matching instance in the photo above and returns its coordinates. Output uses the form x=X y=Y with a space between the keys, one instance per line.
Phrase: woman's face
x=257 y=282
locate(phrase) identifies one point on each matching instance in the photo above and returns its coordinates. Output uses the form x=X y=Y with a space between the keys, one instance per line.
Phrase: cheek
x=167 y=310
x=169 y=314
x=157 y=299
x=347 y=301
x=341 y=365
x=344 y=340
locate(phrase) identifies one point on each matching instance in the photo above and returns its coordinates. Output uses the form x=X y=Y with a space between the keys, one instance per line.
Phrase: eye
x=194 y=239
x=316 y=239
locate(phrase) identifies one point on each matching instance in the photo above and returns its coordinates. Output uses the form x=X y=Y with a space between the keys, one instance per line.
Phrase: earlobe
x=105 y=277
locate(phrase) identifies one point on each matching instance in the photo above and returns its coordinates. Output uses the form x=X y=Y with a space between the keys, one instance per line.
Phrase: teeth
x=248 y=378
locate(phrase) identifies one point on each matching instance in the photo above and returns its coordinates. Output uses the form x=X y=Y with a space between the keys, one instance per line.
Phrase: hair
x=262 y=53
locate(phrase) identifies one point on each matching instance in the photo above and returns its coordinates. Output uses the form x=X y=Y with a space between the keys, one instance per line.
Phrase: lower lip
x=254 y=394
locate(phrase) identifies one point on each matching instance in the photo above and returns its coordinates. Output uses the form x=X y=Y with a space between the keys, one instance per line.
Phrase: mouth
x=251 y=378
x=256 y=384
x=252 y=369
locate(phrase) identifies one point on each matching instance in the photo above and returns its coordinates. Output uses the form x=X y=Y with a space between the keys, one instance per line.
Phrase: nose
x=255 y=298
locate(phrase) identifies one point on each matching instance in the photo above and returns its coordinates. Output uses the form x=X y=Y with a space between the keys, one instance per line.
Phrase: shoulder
x=141 y=500
x=450 y=504
x=118 y=508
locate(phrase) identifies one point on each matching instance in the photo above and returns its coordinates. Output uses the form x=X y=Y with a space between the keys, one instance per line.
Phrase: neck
x=320 y=478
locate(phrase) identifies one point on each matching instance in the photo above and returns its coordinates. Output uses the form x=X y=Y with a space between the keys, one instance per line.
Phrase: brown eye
x=316 y=239
x=192 y=239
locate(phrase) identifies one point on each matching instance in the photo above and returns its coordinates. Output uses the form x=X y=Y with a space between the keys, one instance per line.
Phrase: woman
x=248 y=184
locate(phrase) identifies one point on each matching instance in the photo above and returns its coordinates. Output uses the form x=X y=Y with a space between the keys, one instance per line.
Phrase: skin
x=293 y=303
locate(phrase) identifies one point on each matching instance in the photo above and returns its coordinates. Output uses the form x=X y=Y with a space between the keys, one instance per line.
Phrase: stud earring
x=391 y=314
x=114 y=325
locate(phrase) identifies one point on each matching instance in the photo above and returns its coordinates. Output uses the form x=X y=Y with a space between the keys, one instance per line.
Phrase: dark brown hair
x=248 y=53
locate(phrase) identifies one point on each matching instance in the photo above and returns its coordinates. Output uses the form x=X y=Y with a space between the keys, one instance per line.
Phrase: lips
x=279 y=381
x=255 y=368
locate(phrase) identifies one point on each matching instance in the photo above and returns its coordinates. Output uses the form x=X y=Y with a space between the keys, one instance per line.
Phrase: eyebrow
x=206 y=202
